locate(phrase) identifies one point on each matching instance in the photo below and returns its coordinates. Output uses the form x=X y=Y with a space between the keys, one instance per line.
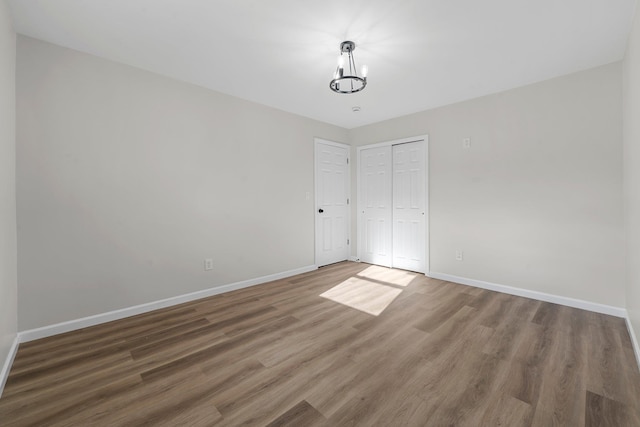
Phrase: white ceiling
x=282 y=53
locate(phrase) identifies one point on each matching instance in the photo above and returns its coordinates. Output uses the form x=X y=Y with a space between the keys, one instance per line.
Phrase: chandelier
x=350 y=82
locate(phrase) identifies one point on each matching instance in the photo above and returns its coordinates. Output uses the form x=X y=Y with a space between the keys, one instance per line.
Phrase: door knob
x=320 y=210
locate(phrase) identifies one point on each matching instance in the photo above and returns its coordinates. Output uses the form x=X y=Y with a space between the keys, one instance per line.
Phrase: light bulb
x=365 y=71
x=341 y=62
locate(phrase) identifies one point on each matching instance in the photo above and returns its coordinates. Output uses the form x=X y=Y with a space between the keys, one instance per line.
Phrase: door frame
x=359 y=225
x=317 y=141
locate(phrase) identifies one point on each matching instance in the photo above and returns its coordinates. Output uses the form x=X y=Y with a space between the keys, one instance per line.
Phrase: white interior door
x=375 y=205
x=409 y=206
x=332 y=209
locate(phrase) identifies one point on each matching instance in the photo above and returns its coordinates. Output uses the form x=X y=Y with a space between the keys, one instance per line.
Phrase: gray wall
x=632 y=173
x=8 y=281
x=127 y=180
x=536 y=202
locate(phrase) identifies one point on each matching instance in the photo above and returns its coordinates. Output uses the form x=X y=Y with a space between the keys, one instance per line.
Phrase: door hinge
x=347 y=241
x=347 y=160
x=347 y=200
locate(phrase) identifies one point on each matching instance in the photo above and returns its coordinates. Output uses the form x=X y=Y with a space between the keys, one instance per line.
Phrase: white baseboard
x=541 y=296
x=634 y=340
x=72 y=325
x=354 y=259
x=4 y=374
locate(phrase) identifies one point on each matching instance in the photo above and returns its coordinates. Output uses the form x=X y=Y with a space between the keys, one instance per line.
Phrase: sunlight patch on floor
x=388 y=275
x=363 y=294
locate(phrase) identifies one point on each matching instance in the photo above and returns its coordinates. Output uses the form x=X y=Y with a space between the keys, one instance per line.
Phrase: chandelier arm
x=352 y=70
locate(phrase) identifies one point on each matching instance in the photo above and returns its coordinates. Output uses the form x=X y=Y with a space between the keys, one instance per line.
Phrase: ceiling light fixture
x=351 y=82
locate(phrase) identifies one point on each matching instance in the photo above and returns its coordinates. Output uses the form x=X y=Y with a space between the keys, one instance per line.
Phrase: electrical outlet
x=208 y=264
x=466 y=143
x=458 y=255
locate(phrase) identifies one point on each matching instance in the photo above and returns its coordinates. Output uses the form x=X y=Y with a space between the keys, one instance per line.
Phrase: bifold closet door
x=408 y=233
x=375 y=210
x=392 y=220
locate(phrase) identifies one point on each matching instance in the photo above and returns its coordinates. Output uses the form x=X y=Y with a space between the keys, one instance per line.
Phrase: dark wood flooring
x=437 y=354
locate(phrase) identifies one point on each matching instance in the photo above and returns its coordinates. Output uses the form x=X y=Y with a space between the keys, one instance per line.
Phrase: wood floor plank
x=146 y=404
x=434 y=319
x=523 y=382
x=601 y=411
x=465 y=405
x=437 y=353
x=109 y=334
x=192 y=338
x=58 y=410
x=504 y=342
x=275 y=389
x=366 y=381
x=507 y=411
x=562 y=381
x=301 y=414
x=24 y=384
